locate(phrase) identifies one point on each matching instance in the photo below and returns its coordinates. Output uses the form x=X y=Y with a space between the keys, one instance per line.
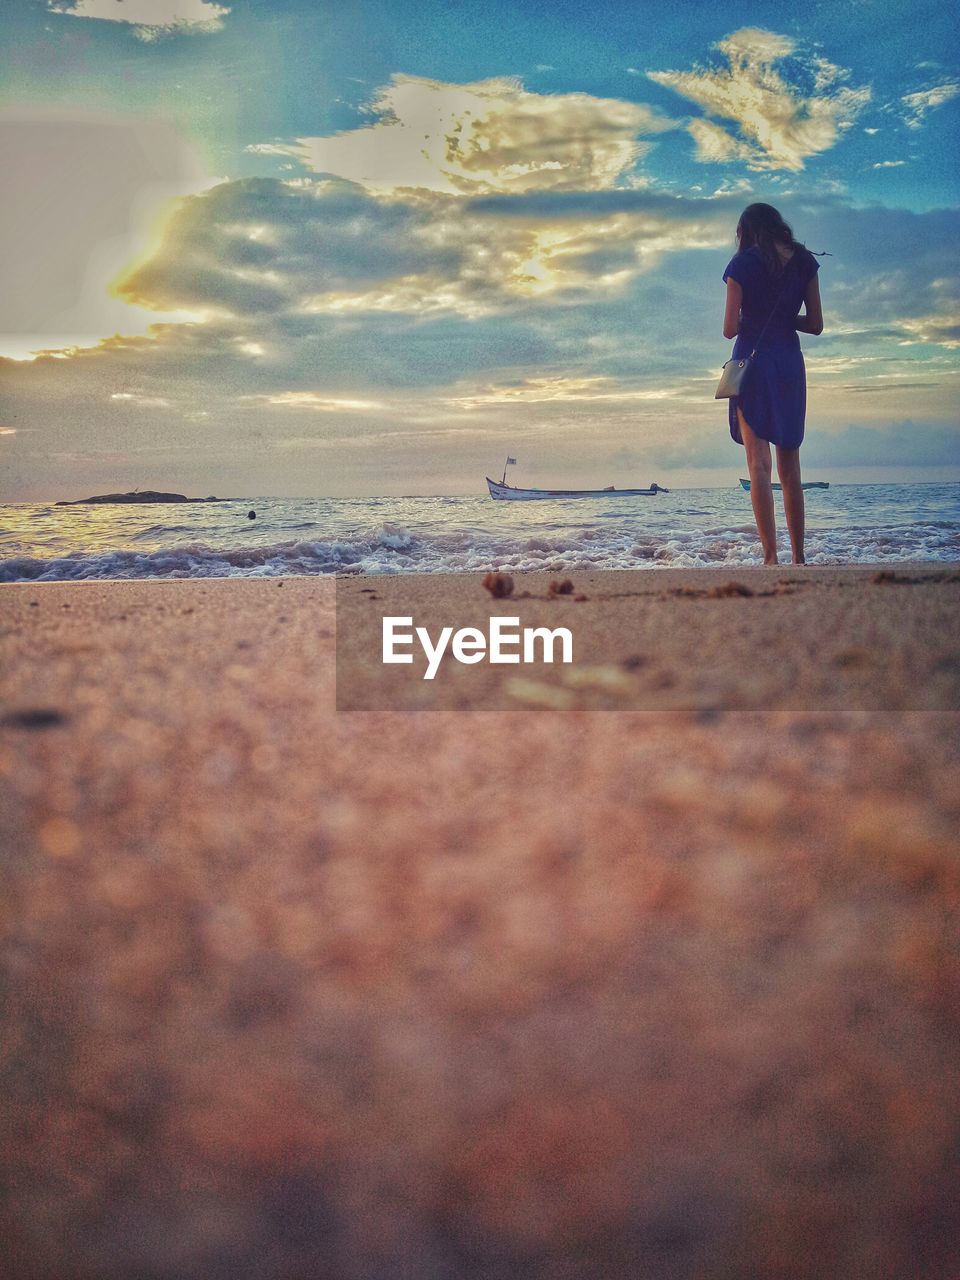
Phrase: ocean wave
x=395 y=549
x=394 y=537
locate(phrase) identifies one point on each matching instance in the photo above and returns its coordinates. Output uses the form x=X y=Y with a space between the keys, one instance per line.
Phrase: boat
x=506 y=492
x=511 y=494
x=810 y=484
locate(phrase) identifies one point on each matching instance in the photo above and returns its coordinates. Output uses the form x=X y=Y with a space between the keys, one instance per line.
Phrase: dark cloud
x=260 y=244
x=887 y=265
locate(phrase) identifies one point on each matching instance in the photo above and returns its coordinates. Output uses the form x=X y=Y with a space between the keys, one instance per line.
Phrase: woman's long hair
x=762 y=225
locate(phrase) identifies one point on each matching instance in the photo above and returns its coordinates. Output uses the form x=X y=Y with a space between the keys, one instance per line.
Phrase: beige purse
x=732 y=376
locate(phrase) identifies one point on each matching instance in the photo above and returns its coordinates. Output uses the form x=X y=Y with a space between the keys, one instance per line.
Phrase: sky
x=349 y=247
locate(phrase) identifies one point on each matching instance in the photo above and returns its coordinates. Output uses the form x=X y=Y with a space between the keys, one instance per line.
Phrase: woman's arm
x=812 y=319
x=731 y=316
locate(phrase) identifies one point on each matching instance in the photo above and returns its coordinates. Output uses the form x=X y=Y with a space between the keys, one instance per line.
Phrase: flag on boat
x=511 y=462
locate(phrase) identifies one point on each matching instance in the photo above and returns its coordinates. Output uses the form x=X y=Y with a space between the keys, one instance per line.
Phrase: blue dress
x=774 y=394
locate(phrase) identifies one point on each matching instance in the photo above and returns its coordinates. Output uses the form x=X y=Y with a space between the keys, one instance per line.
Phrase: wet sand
x=538 y=993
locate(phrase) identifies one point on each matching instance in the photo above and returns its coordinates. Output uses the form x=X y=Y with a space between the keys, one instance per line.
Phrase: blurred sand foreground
x=553 y=995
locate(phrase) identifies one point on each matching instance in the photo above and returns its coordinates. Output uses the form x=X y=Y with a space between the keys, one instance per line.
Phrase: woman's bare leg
x=788 y=469
x=760 y=465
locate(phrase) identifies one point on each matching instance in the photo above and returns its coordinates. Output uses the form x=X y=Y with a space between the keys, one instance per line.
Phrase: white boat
x=810 y=484
x=510 y=494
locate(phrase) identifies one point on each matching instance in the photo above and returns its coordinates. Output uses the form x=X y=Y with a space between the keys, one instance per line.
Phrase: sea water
x=685 y=528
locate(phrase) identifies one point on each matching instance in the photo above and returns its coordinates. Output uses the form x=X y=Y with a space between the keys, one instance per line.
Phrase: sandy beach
x=786 y=638
x=644 y=968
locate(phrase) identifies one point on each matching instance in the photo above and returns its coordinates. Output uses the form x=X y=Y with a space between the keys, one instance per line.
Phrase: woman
x=767 y=281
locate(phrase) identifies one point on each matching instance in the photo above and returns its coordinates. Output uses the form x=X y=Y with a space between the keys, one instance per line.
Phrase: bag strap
x=783 y=289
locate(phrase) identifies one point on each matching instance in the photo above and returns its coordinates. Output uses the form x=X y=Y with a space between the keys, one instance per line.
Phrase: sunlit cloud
x=326 y=246
x=919 y=104
x=826 y=73
x=940 y=328
x=140 y=401
x=150 y=19
x=315 y=401
x=889 y=164
x=716 y=145
x=549 y=390
x=778 y=126
x=491 y=135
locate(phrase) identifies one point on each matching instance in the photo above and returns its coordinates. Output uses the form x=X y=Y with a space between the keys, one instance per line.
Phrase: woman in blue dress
x=768 y=280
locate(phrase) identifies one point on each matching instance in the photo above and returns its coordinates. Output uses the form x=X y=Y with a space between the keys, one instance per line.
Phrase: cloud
x=261 y=246
x=491 y=135
x=918 y=104
x=778 y=127
x=241 y=402
x=151 y=19
x=889 y=164
x=893 y=275
x=264 y=245
x=941 y=328
x=826 y=73
x=715 y=145
x=550 y=390
x=140 y=401
x=316 y=402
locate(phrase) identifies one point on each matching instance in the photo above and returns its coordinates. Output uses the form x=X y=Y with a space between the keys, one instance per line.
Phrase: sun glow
x=96 y=192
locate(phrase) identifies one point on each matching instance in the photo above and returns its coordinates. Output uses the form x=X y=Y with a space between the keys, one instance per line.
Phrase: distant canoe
x=813 y=484
x=510 y=494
